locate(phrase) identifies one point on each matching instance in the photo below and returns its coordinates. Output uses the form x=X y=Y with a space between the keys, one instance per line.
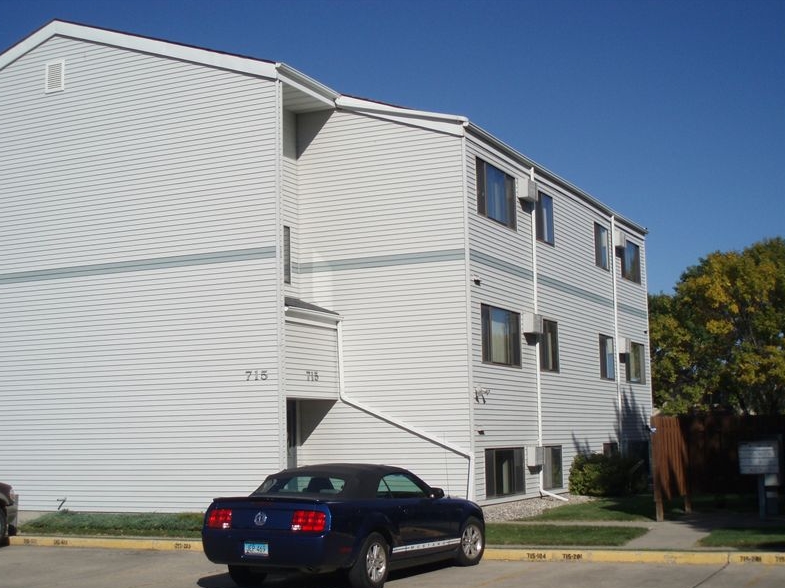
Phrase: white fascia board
x=308 y=85
x=444 y=123
x=145 y=45
x=311 y=317
x=551 y=176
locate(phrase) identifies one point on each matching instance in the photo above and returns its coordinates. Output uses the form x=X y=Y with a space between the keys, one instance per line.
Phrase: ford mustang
x=361 y=518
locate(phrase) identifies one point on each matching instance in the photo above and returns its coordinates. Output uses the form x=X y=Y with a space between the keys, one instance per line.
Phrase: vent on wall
x=55 y=76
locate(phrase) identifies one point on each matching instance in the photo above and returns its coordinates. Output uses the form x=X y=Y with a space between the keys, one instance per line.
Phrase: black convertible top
x=361 y=479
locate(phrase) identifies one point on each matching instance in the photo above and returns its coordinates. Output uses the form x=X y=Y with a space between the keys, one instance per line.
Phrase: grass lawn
x=560 y=535
x=185 y=525
x=760 y=539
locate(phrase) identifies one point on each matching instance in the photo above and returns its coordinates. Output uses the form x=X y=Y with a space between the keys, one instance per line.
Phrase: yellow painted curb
x=111 y=543
x=624 y=556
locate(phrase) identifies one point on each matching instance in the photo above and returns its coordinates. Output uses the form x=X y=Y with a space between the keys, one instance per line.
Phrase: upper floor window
x=601 y=246
x=501 y=336
x=495 y=194
x=544 y=214
x=549 y=346
x=635 y=360
x=607 y=358
x=631 y=262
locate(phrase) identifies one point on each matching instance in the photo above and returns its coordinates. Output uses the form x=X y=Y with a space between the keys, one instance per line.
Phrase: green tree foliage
x=718 y=343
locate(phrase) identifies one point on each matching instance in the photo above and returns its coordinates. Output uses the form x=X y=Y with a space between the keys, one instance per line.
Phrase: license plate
x=253 y=548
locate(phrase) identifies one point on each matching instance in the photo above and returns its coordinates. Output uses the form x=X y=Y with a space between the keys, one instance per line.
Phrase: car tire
x=3 y=526
x=246 y=576
x=370 y=569
x=472 y=543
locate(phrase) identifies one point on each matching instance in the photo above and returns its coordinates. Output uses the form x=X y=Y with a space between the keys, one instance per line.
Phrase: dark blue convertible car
x=365 y=519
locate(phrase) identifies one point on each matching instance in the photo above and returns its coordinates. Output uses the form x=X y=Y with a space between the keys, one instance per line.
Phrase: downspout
x=391 y=420
x=538 y=377
x=616 y=362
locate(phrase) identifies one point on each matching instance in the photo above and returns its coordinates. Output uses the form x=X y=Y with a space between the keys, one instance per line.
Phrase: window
x=610 y=449
x=552 y=472
x=501 y=336
x=495 y=194
x=601 y=246
x=399 y=486
x=287 y=255
x=545 y=218
x=635 y=363
x=504 y=472
x=549 y=347
x=631 y=262
x=607 y=358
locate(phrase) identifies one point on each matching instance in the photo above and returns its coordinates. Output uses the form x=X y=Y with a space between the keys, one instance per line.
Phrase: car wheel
x=3 y=525
x=472 y=543
x=370 y=569
x=246 y=576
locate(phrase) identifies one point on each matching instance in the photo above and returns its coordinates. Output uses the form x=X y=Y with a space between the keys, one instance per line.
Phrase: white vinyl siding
x=381 y=221
x=137 y=280
x=311 y=361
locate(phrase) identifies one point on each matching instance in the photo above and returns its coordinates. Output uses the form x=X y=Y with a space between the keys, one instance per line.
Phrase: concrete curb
x=491 y=553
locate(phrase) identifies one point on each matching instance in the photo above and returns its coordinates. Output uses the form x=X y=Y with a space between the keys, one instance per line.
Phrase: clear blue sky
x=672 y=112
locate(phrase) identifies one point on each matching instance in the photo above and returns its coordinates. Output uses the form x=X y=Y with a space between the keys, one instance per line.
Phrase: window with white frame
x=552 y=470
x=607 y=358
x=631 y=262
x=287 y=255
x=544 y=213
x=495 y=194
x=501 y=336
x=549 y=346
x=635 y=363
x=504 y=472
x=601 y=246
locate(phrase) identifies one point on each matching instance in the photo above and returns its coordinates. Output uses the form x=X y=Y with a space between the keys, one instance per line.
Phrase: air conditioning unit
x=624 y=346
x=619 y=240
x=532 y=323
x=534 y=456
x=526 y=190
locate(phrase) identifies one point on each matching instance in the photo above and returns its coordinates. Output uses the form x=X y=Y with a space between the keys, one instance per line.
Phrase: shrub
x=596 y=474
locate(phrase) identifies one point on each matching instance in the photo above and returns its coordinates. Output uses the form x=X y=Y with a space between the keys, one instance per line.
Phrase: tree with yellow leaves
x=718 y=343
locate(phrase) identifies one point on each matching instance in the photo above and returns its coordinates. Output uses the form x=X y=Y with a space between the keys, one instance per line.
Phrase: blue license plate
x=255 y=548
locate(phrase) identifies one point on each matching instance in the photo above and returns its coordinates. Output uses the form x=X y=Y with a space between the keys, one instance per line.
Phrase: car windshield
x=302 y=484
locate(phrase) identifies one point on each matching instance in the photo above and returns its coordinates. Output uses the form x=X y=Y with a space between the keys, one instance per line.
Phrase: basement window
x=504 y=472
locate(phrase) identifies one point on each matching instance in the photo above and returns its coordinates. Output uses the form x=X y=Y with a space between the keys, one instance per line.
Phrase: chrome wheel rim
x=471 y=541
x=376 y=562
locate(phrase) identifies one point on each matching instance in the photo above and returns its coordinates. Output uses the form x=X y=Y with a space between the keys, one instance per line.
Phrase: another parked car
x=365 y=519
x=9 y=507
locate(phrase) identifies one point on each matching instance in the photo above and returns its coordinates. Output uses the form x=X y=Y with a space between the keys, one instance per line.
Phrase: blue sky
x=672 y=112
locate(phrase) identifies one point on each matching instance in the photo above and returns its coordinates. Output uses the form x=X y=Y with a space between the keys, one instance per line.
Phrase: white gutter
x=538 y=376
x=393 y=421
x=616 y=362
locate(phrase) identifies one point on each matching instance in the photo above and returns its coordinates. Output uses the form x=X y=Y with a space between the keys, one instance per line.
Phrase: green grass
x=65 y=522
x=560 y=535
x=642 y=508
x=763 y=539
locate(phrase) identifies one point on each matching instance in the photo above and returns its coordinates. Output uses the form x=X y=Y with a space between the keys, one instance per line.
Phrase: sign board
x=759 y=457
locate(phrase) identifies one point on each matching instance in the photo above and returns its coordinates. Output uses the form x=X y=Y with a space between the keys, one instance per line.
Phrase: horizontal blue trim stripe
x=138 y=265
x=500 y=264
x=381 y=261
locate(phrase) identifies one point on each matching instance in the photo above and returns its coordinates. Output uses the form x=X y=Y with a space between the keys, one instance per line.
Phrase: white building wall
x=138 y=281
x=382 y=225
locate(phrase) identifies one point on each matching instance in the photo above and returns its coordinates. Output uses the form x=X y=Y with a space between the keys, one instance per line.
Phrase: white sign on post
x=759 y=457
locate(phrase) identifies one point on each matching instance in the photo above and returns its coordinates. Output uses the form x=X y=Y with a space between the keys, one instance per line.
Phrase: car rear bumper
x=315 y=553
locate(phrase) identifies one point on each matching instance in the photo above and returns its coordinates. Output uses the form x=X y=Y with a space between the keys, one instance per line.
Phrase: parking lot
x=53 y=567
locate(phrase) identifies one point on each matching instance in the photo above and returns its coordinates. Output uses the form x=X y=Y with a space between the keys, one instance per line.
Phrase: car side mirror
x=437 y=493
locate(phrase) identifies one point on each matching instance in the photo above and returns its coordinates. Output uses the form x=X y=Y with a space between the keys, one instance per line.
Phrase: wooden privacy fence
x=699 y=454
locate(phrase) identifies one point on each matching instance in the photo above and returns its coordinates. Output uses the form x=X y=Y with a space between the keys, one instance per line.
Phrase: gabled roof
x=300 y=92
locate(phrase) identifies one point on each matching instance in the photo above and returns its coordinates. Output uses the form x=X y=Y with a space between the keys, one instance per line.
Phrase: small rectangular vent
x=55 y=76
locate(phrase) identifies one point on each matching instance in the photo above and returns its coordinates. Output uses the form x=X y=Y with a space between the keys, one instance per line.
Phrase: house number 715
x=311 y=375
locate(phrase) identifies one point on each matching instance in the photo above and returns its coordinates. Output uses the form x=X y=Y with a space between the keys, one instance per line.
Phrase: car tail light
x=220 y=518
x=313 y=521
